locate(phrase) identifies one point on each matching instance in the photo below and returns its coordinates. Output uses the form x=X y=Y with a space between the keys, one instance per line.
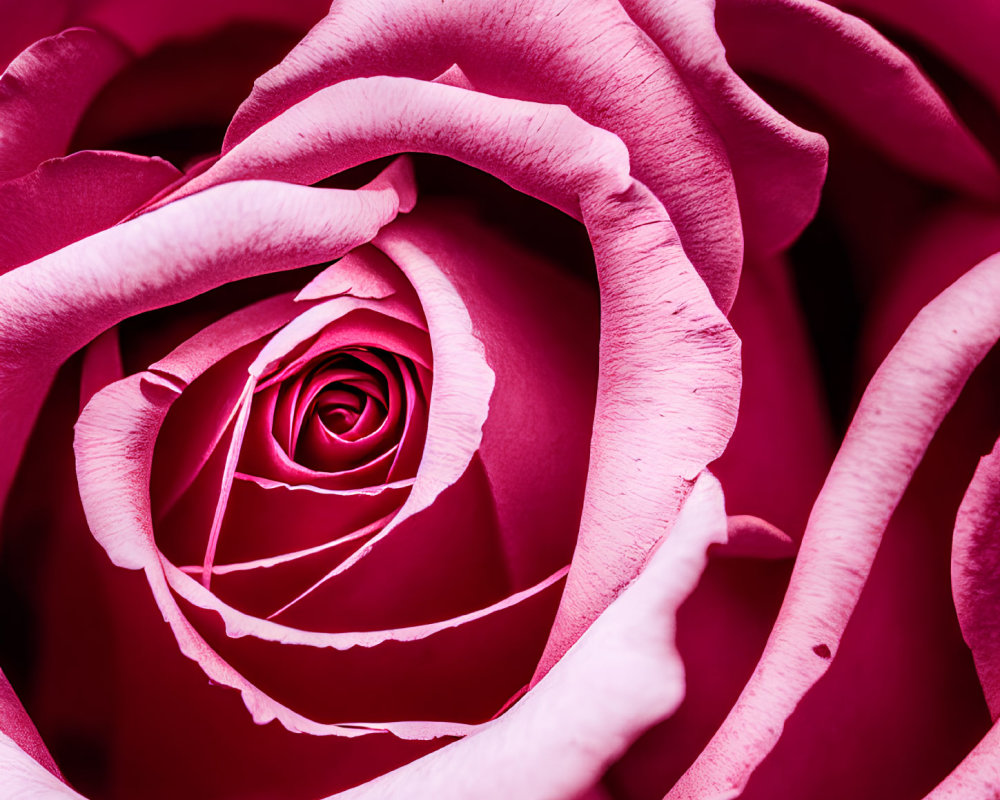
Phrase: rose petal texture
x=232 y=232
x=974 y=571
x=642 y=270
x=626 y=665
x=528 y=51
x=902 y=408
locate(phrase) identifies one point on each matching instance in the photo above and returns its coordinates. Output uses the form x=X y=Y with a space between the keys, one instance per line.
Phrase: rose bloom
x=509 y=399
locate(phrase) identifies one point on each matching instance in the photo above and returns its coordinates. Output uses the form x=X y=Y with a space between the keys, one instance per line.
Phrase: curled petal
x=53 y=306
x=899 y=413
x=66 y=199
x=778 y=167
x=44 y=92
x=666 y=401
x=621 y=677
x=864 y=80
x=589 y=56
x=975 y=574
x=324 y=134
x=25 y=777
x=968 y=39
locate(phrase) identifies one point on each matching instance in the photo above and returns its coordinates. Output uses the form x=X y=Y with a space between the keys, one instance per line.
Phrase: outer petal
x=25 y=23
x=975 y=574
x=589 y=56
x=145 y=26
x=16 y=724
x=44 y=91
x=27 y=778
x=52 y=307
x=622 y=676
x=905 y=403
x=66 y=199
x=778 y=167
x=977 y=776
x=967 y=39
x=841 y=62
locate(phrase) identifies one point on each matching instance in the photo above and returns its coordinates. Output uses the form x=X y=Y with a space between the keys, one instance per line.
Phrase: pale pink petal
x=975 y=574
x=778 y=167
x=588 y=56
x=66 y=199
x=54 y=306
x=45 y=90
x=666 y=401
x=841 y=62
x=901 y=410
x=17 y=725
x=25 y=777
x=542 y=150
x=612 y=685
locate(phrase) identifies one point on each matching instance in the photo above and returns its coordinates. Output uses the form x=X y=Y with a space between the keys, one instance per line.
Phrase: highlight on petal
x=975 y=574
x=44 y=91
x=902 y=408
x=26 y=777
x=590 y=57
x=622 y=676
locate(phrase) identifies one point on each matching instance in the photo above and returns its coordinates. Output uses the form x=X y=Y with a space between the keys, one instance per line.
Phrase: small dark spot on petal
x=822 y=651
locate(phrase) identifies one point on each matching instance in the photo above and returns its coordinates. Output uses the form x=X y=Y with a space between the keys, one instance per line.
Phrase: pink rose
x=367 y=433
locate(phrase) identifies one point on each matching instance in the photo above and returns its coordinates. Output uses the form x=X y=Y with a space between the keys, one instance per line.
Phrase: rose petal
x=45 y=90
x=778 y=167
x=666 y=401
x=560 y=159
x=622 y=676
x=52 y=307
x=25 y=23
x=975 y=574
x=966 y=39
x=902 y=408
x=145 y=27
x=531 y=50
x=864 y=80
x=66 y=199
x=25 y=776
x=17 y=725
x=324 y=134
x=977 y=776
